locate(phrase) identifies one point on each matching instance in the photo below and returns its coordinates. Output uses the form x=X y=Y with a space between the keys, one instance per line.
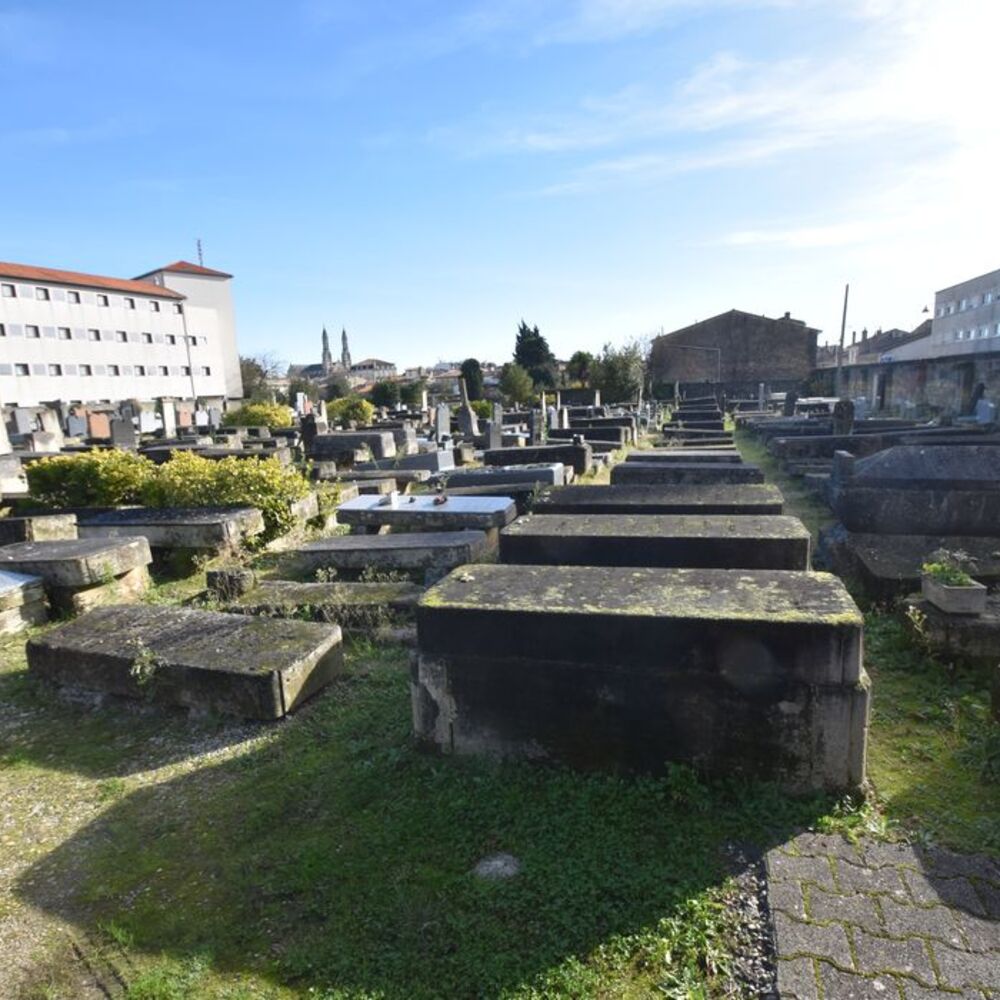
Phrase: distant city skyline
x=426 y=174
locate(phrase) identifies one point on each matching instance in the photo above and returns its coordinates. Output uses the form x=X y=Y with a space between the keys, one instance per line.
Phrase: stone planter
x=969 y=599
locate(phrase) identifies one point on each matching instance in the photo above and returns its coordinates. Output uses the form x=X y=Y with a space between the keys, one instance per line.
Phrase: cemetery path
x=886 y=921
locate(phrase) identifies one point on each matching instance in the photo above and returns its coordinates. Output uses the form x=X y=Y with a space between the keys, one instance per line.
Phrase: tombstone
x=309 y=432
x=22 y=602
x=760 y=397
x=214 y=417
x=300 y=403
x=553 y=418
x=424 y=405
x=168 y=417
x=468 y=423
x=986 y=412
x=123 y=434
x=255 y=668
x=427 y=513
x=98 y=426
x=788 y=407
x=76 y=425
x=42 y=442
x=631 y=500
x=563 y=422
x=534 y=435
x=147 y=422
x=843 y=416
x=442 y=422
x=494 y=435
x=185 y=415
x=24 y=420
x=51 y=424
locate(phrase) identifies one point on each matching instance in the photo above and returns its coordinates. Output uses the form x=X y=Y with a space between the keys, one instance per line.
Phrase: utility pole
x=201 y=259
x=839 y=389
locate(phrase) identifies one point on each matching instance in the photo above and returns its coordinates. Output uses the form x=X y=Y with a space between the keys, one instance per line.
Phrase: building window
x=8 y=291
x=102 y=300
x=996 y=332
x=121 y=337
x=140 y=369
x=951 y=308
x=3 y=330
x=177 y=308
x=31 y=332
x=185 y=370
x=147 y=338
x=171 y=339
x=129 y=302
x=154 y=306
x=162 y=370
x=55 y=369
x=64 y=333
x=86 y=370
x=21 y=370
x=987 y=298
x=206 y=370
x=93 y=335
x=193 y=341
x=73 y=297
x=114 y=370
x=42 y=294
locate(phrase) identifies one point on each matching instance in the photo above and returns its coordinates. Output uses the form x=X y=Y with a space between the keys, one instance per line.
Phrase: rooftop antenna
x=201 y=259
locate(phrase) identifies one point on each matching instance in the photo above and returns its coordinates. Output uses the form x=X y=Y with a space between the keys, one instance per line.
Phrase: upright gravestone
x=494 y=435
x=98 y=425
x=791 y=398
x=147 y=422
x=760 y=396
x=52 y=425
x=168 y=417
x=498 y=414
x=442 y=422
x=986 y=412
x=123 y=434
x=300 y=403
x=24 y=420
x=468 y=423
x=309 y=430
x=843 y=416
x=201 y=418
x=214 y=417
x=5 y=448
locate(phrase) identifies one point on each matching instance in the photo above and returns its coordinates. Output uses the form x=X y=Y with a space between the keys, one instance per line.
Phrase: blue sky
x=427 y=173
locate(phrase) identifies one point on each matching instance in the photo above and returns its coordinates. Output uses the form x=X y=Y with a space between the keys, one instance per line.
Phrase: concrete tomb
x=427 y=513
x=579 y=456
x=432 y=552
x=204 y=529
x=738 y=672
x=22 y=602
x=706 y=541
x=83 y=572
x=37 y=528
x=693 y=473
x=720 y=499
x=550 y=473
x=727 y=456
x=432 y=461
x=381 y=444
x=255 y=668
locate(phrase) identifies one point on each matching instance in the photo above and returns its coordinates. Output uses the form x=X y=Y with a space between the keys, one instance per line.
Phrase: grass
x=328 y=858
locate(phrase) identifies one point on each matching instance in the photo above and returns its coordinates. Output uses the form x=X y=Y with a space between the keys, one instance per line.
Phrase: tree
x=385 y=393
x=255 y=372
x=297 y=385
x=580 y=366
x=472 y=372
x=411 y=394
x=516 y=384
x=337 y=388
x=619 y=372
x=531 y=352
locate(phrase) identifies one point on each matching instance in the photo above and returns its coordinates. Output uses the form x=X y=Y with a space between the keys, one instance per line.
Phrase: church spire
x=345 y=353
x=327 y=356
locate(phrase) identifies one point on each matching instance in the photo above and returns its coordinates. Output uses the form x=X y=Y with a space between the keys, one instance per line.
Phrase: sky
x=426 y=173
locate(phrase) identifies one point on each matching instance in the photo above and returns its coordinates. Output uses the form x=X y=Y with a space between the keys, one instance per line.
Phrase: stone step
x=694 y=473
x=425 y=551
x=692 y=540
x=721 y=499
x=256 y=668
x=752 y=673
x=423 y=513
x=718 y=455
x=358 y=608
x=22 y=602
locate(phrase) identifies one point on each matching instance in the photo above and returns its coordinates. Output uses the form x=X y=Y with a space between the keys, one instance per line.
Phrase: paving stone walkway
x=883 y=921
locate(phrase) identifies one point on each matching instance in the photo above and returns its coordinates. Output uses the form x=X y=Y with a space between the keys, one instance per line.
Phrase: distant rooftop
x=186 y=267
x=77 y=279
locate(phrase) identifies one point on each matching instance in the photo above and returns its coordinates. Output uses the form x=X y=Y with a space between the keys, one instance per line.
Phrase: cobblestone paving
x=883 y=921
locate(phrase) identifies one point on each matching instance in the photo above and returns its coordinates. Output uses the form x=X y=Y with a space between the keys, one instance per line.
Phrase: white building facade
x=967 y=317
x=86 y=338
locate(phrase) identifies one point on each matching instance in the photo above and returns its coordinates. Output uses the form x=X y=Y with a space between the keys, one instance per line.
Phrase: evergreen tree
x=531 y=352
x=516 y=384
x=472 y=372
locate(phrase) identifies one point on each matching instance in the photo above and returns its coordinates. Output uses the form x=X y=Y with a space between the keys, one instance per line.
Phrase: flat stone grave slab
x=375 y=487
x=723 y=499
x=37 y=528
x=523 y=494
x=256 y=668
x=430 y=552
x=718 y=455
x=713 y=541
x=431 y=461
x=693 y=473
x=579 y=457
x=22 y=602
x=890 y=565
x=209 y=529
x=81 y=572
x=694 y=433
x=744 y=672
x=423 y=513
x=362 y=608
x=971 y=637
x=550 y=473
x=402 y=477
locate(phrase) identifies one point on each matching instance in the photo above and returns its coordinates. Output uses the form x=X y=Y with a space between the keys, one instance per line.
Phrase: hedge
x=259 y=415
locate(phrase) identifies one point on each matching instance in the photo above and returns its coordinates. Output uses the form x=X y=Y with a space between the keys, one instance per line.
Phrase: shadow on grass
x=338 y=857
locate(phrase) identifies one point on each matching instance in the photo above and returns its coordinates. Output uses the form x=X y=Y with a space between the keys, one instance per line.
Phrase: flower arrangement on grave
x=947 y=583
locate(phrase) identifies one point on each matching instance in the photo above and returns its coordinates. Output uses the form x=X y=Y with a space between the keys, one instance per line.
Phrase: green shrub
x=340 y=411
x=482 y=408
x=90 y=479
x=259 y=415
x=188 y=480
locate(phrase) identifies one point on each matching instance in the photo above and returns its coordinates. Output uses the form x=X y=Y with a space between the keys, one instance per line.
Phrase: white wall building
x=967 y=317
x=87 y=338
